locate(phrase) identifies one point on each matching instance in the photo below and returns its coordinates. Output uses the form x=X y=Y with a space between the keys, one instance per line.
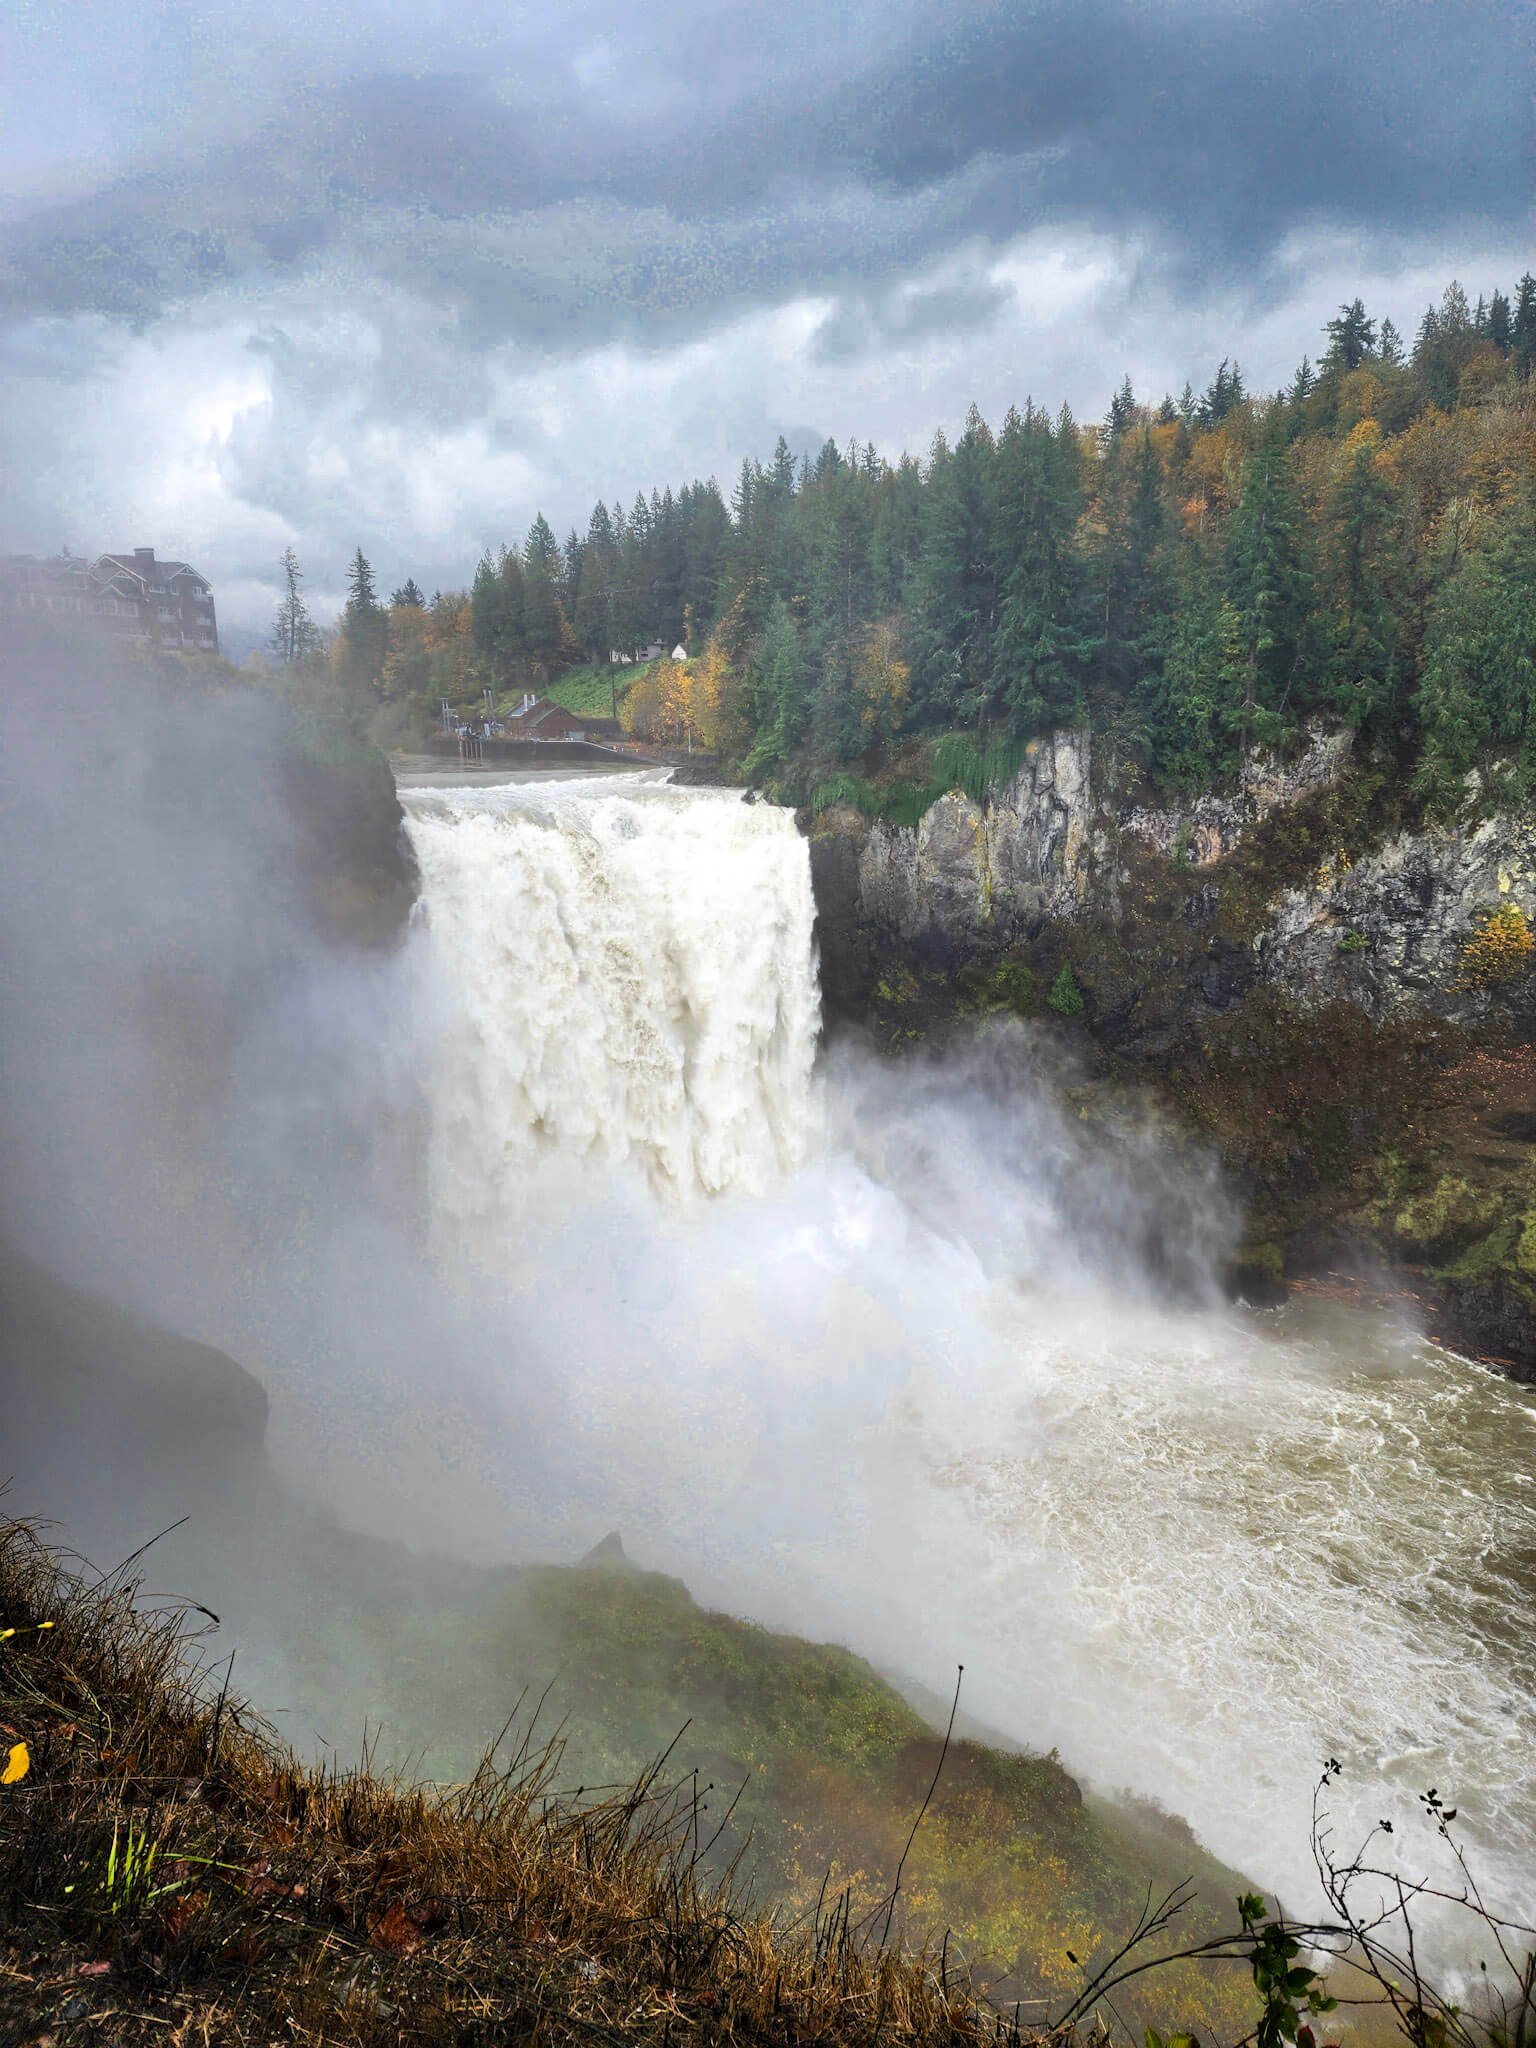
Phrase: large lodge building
x=165 y=603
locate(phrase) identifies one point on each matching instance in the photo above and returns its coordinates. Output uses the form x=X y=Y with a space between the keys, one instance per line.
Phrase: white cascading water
x=887 y=1365
x=633 y=987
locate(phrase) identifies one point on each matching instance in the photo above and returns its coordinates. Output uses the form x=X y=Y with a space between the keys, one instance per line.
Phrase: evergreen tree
x=595 y=586
x=1225 y=392
x=408 y=593
x=1362 y=590
x=1194 y=707
x=1499 y=324
x=779 y=695
x=896 y=535
x=548 y=645
x=1477 y=696
x=1266 y=583
x=496 y=616
x=1522 y=332
x=1134 y=583
x=542 y=547
x=1122 y=412
x=363 y=628
x=295 y=636
x=1351 y=337
x=955 y=581
x=1389 y=348
x=1041 y=641
x=706 y=541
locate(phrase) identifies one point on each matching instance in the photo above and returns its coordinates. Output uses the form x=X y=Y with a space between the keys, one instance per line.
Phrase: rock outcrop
x=1386 y=931
x=1390 y=931
x=1032 y=852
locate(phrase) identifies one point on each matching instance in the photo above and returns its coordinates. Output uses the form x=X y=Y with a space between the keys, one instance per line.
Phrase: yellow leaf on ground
x=17 y=1765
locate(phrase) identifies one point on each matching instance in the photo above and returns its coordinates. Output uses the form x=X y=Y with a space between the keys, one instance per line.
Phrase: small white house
x=679 y=652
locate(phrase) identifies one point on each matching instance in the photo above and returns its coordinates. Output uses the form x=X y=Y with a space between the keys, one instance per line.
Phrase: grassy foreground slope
x=165 y=1861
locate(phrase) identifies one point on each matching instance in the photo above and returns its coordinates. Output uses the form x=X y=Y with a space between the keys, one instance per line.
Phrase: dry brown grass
x=341 y=1907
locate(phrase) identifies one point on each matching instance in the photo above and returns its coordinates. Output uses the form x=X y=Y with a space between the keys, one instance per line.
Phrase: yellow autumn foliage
x=1502 y=947
x=17 y=1765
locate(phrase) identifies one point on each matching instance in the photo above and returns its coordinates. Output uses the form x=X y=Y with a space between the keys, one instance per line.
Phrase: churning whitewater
x=895 y=1353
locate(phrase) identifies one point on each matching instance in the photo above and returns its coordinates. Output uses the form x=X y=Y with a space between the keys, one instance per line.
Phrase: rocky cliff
x=1333 y=989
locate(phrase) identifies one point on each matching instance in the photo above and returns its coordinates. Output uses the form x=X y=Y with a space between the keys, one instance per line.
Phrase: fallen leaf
x=181 y=1911
x=17 y=1765
x=396 y=1931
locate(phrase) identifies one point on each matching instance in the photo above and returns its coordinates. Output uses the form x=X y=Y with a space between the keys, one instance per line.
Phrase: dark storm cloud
x=549 y=205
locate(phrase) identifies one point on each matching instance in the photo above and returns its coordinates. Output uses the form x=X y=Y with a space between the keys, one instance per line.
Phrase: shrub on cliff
x=1501 y=947
x=1066 y=998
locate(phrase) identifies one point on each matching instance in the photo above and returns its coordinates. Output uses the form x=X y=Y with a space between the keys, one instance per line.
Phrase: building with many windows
x=133 y=593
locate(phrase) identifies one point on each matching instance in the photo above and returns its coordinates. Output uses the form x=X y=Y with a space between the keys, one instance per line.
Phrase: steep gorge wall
x=1385 y=930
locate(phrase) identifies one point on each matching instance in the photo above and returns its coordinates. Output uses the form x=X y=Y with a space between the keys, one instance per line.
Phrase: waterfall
x=635 y=988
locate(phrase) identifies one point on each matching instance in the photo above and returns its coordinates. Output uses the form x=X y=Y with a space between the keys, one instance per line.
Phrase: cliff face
x=1289 y=962
x=969 y=869
x=348 y=842
x=1389 y=931
x=1385 y=930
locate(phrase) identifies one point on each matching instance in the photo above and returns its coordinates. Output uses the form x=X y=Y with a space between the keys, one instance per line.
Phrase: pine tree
x=896 y=533
x=1522 y=332
x=1225 y=392
x=1477 y=695
x=548 y=643
x=1194 y=711
x=542 y=547
x=1041 y=640
x=295 y=636
x=408 y=593
x=496 y=615
x=1351 y=337
x=779 y=691
x=595 y=586
x=955 y=581
x=1266 y=583
x=1122 y=411
x=1389 y=347
x=1135 y=589
x=364 y=628
x=1361 y=585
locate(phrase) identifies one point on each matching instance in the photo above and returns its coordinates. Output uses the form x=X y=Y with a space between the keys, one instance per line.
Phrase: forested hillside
x=1195 y=576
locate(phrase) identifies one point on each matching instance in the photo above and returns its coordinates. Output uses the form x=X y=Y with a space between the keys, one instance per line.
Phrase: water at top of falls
x=893 y=1368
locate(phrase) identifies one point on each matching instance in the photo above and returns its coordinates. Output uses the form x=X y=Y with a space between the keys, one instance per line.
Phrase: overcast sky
x=275 y=272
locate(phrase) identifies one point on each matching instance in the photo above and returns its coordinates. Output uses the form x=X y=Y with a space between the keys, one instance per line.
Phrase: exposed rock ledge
x=1385 y=934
